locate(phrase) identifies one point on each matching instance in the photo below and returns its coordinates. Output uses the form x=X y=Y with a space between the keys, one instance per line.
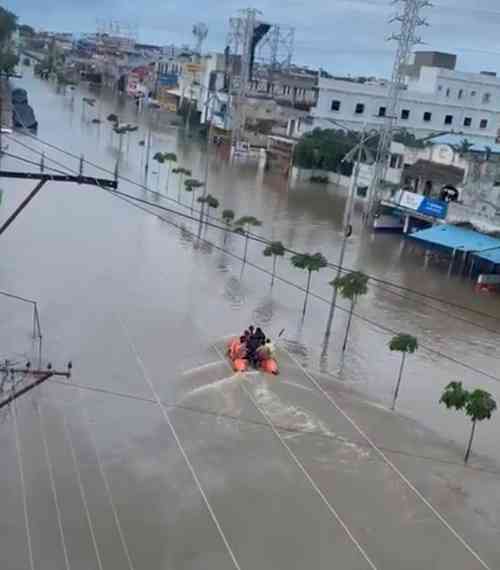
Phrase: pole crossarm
x=40 y=376
x=42 y=176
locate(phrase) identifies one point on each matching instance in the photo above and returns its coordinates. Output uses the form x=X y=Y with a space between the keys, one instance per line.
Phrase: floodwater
x=162 y=458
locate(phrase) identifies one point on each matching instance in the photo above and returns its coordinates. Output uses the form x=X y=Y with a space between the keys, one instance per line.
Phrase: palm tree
x=169 y=157
x=406 y=344
x=309 y=262
x=351 y=286
x=227 y=217
x=181 y=172
x=478 y=405
x=275 y=249
x=192 y=185
x=243 y=226
x=210 y=201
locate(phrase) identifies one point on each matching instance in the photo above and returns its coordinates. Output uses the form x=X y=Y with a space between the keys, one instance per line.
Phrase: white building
x=437 y=99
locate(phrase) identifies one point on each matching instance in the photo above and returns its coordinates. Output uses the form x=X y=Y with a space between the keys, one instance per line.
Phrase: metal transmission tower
x=239 y=41
x=256 y=49
x=200 y=32
x=410 y=19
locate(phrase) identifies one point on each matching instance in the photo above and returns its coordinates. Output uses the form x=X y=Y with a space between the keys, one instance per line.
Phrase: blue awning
x=461 y=239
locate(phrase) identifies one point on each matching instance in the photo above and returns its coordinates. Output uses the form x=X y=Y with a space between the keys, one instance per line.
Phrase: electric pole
x=407 y=39
x=17 y=377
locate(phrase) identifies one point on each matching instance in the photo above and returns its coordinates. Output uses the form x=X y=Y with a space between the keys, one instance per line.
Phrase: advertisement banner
x=423 y=205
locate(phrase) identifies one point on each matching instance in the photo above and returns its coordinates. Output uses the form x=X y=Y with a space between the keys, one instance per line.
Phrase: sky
x=340 y=36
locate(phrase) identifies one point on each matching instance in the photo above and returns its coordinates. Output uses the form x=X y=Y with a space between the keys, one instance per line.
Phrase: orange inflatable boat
x=269 y=365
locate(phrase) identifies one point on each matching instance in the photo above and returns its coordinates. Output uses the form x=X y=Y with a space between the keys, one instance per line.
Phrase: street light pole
x=347 y=231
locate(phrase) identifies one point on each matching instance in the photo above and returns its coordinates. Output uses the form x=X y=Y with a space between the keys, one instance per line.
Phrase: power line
x=263 y=239
x=387 y=330
x=256 y=237
x=372 y=322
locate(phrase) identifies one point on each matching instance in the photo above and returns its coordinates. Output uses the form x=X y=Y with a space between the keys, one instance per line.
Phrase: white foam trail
x=217 y=385
x=202 y=367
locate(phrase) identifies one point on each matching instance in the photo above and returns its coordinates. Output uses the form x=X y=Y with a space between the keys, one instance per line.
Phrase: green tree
x=8 y=25
x=192 y=185
x=351 y=286
x=210 y=201
x=26 y=31
x=228 y=218
x=242 y=226
x=325 y=149
x=309 y=262
x=405 y=344
x=181 y=173
x=478 y=405
x=275 y=249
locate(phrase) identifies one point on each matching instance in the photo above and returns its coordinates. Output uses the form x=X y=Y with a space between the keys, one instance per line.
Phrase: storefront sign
x=423 y=205
x=168 y=79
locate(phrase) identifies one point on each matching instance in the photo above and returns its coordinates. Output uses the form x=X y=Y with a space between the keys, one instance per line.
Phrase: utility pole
x=347 y=227
x=407 y=39
x=17 y=376
x=43 y=178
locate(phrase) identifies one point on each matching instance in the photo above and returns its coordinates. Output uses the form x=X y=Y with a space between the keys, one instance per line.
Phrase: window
x=448 y=91
x=382 y=111
x=448 y=120
x=427 y=117
x=405 y=114
x=486 y=97
x=467 y=121
x=483 y=124
x=460 y=93
x=473 y=93
x=335 y=106
x=440 y=88
x=360 y=109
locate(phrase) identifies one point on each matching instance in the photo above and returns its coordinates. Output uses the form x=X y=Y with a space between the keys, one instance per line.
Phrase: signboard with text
x=423 y=205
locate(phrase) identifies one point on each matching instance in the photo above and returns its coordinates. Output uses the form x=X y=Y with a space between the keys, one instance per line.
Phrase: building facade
x=436 y=99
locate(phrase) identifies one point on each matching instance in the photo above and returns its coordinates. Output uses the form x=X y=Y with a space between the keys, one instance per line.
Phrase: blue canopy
x=461 y=239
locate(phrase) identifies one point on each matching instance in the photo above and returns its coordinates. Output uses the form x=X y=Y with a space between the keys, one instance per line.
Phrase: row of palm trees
x=478 y=404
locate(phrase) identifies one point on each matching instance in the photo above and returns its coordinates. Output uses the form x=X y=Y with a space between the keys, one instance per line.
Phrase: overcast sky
x=342 y=36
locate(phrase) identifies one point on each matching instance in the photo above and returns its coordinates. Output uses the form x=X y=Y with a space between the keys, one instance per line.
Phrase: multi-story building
x=436 y=98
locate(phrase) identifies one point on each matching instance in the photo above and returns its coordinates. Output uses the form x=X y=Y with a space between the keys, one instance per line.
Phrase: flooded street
x=157 y=456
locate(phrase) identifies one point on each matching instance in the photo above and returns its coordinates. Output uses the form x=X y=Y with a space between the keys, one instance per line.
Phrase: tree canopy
x=228 y=216
x=352 y=285
x=308 y=261
x=192 y=184
x=403 y=343
x=8 y=25
x=211 y=201
x=324 y=149
x=275 y=248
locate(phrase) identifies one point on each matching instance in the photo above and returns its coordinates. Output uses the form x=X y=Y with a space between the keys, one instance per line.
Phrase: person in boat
x=241 y=348
x=261 y=337
x=252 y=345
x=266 y=350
